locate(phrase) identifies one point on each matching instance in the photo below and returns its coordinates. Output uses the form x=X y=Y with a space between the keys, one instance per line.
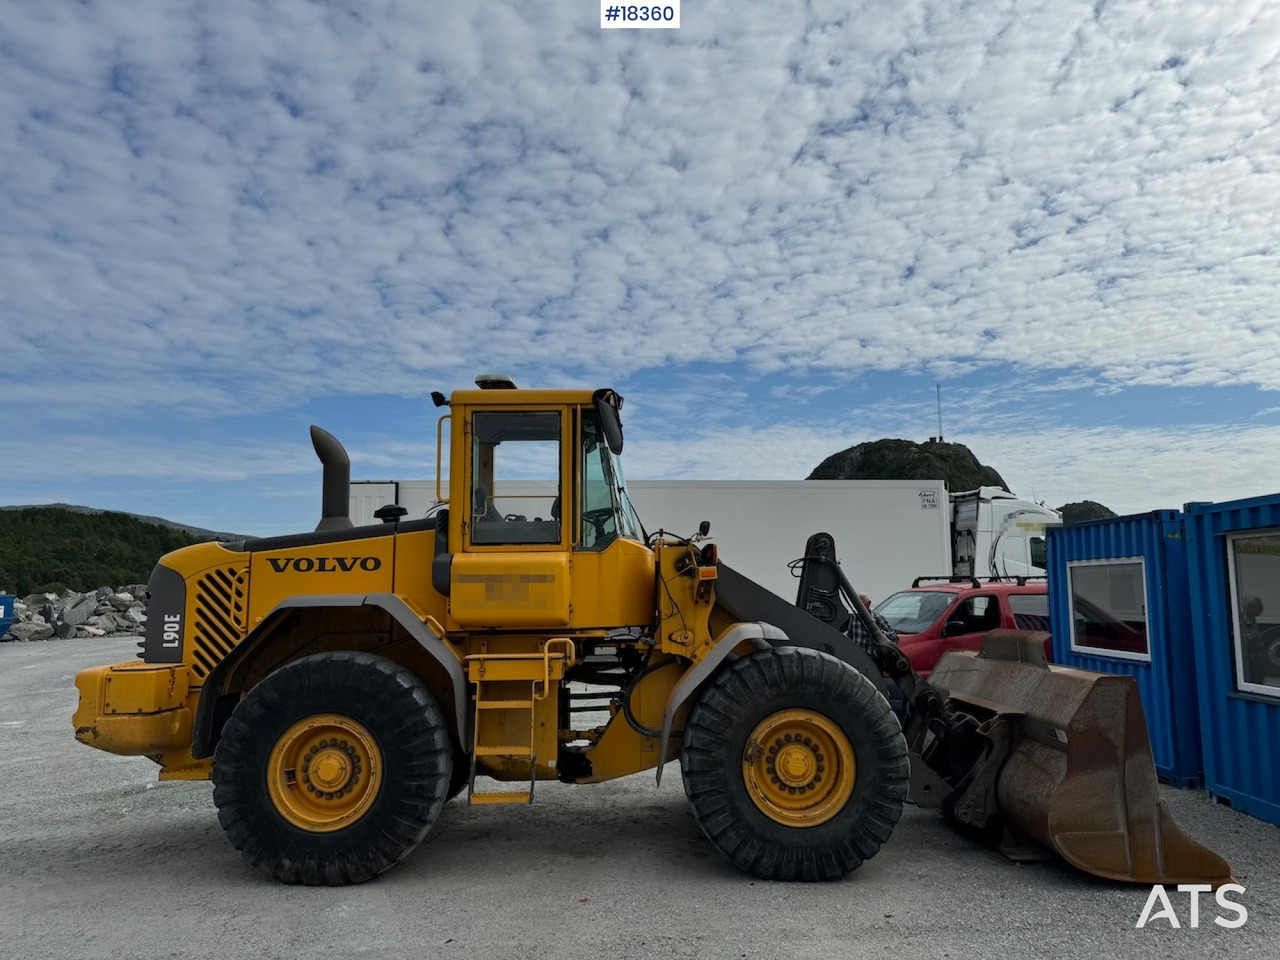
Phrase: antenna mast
x=939 y=388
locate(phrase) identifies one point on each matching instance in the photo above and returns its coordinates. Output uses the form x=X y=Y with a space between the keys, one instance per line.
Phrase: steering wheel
x=598 y=518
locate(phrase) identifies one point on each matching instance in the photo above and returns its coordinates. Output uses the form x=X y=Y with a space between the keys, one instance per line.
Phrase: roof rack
x=977 y=582
x=949 y=579
x=1020 y=580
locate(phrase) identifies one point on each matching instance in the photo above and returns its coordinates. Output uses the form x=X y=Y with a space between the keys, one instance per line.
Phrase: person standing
x=859 y=632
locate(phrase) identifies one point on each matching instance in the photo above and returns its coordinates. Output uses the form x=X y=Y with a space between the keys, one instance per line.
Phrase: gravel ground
x=98 y=859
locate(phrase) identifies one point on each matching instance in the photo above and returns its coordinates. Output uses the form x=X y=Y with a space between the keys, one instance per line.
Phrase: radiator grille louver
x=219 y=618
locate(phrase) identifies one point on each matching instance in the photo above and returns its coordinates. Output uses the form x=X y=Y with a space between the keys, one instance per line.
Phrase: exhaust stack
x=335 y=507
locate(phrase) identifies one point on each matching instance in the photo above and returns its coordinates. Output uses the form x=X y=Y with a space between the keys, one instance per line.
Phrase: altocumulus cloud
x=236 y=207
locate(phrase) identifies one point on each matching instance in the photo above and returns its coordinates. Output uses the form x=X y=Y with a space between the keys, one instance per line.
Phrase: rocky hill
x=52 y=549
x=200 y=533
x=907 y=460
x=1084 y=510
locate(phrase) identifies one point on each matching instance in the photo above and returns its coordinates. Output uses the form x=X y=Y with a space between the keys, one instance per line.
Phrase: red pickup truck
x=953 y=614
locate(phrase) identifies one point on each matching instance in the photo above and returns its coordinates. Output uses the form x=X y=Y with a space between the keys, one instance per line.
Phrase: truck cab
x=932 y=618
x=997 y=534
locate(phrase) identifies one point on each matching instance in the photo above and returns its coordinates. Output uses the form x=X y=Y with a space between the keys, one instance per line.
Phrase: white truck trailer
x=887 y=532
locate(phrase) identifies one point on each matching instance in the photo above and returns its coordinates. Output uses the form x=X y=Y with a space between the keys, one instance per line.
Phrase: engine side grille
x=219 y=622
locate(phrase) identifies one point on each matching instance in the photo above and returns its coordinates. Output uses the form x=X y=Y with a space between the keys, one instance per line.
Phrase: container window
x=1109 y=608
x=1255 y=603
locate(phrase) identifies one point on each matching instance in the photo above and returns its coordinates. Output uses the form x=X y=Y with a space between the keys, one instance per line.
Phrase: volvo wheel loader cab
x=339 y=686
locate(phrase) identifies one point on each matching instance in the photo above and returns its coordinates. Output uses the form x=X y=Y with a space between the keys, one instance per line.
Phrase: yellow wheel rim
x=799 y=768
x=324 y=772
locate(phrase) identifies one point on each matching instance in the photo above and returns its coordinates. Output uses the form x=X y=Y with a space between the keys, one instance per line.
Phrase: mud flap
x=1067 y=764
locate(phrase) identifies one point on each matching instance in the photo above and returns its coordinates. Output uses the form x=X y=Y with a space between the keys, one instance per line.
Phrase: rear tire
x=332 y=769
x=794 y=765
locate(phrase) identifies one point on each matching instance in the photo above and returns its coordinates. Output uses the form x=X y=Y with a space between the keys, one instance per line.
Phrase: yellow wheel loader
x=339 y=686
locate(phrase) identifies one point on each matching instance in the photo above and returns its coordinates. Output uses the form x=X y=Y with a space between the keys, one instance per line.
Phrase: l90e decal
x=163 y=635
x=171 y=631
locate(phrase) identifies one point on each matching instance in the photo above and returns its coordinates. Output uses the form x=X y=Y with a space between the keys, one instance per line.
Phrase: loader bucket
x=1078 y=776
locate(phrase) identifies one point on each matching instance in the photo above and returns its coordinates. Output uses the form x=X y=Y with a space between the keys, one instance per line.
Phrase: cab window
x=1039 y=553
x=606 y=512
x=599 y=521
x=979 y=614
x=913 y=612
x=515 y=478
x=1030 y=610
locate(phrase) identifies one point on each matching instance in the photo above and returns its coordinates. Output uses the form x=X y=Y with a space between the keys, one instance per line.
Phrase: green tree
x=49 y=549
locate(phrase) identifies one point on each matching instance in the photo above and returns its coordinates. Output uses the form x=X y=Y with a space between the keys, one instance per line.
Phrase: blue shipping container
x=1125 y=572
x=6 y=613
x=1233 y=553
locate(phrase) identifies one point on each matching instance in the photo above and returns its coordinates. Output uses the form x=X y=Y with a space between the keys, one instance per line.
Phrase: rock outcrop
x=907 y=460
x=1083 y=511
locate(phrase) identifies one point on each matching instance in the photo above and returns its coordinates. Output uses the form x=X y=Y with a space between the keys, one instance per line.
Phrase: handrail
x=569 y=660
x=440 y=498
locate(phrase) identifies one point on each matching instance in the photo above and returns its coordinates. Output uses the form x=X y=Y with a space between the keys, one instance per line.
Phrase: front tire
x=332 y=769
x=794 y=765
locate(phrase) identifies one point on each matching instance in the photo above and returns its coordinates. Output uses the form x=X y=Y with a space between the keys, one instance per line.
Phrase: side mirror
x=607 y=404
x=955 y=628
x=704 y=528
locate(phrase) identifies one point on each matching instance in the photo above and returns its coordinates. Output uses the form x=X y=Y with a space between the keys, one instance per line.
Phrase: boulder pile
x=100 y=613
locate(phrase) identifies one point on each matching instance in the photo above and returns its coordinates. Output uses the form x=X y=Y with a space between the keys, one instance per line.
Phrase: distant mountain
x=907 y=460
x=200 y=533
x=62 y=546
x=1084 y=510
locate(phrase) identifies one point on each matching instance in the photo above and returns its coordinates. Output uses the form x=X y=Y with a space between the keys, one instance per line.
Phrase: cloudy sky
x=773 y=230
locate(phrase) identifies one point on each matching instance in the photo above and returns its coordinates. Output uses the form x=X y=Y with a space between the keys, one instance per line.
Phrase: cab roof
x=522 y=398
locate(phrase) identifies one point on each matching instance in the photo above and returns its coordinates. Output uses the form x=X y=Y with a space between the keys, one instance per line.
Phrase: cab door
x=969 y=621
x=961 y=627
x=512 y=571
x=1009 y=556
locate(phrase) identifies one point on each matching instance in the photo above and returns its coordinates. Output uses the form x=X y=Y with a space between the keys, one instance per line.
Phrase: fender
x=202 y=733
x=760 y=635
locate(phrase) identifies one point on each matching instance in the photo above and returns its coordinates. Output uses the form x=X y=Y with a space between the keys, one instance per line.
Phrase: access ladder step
x=503 y=796
x=541 y=667
x=504 y=704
